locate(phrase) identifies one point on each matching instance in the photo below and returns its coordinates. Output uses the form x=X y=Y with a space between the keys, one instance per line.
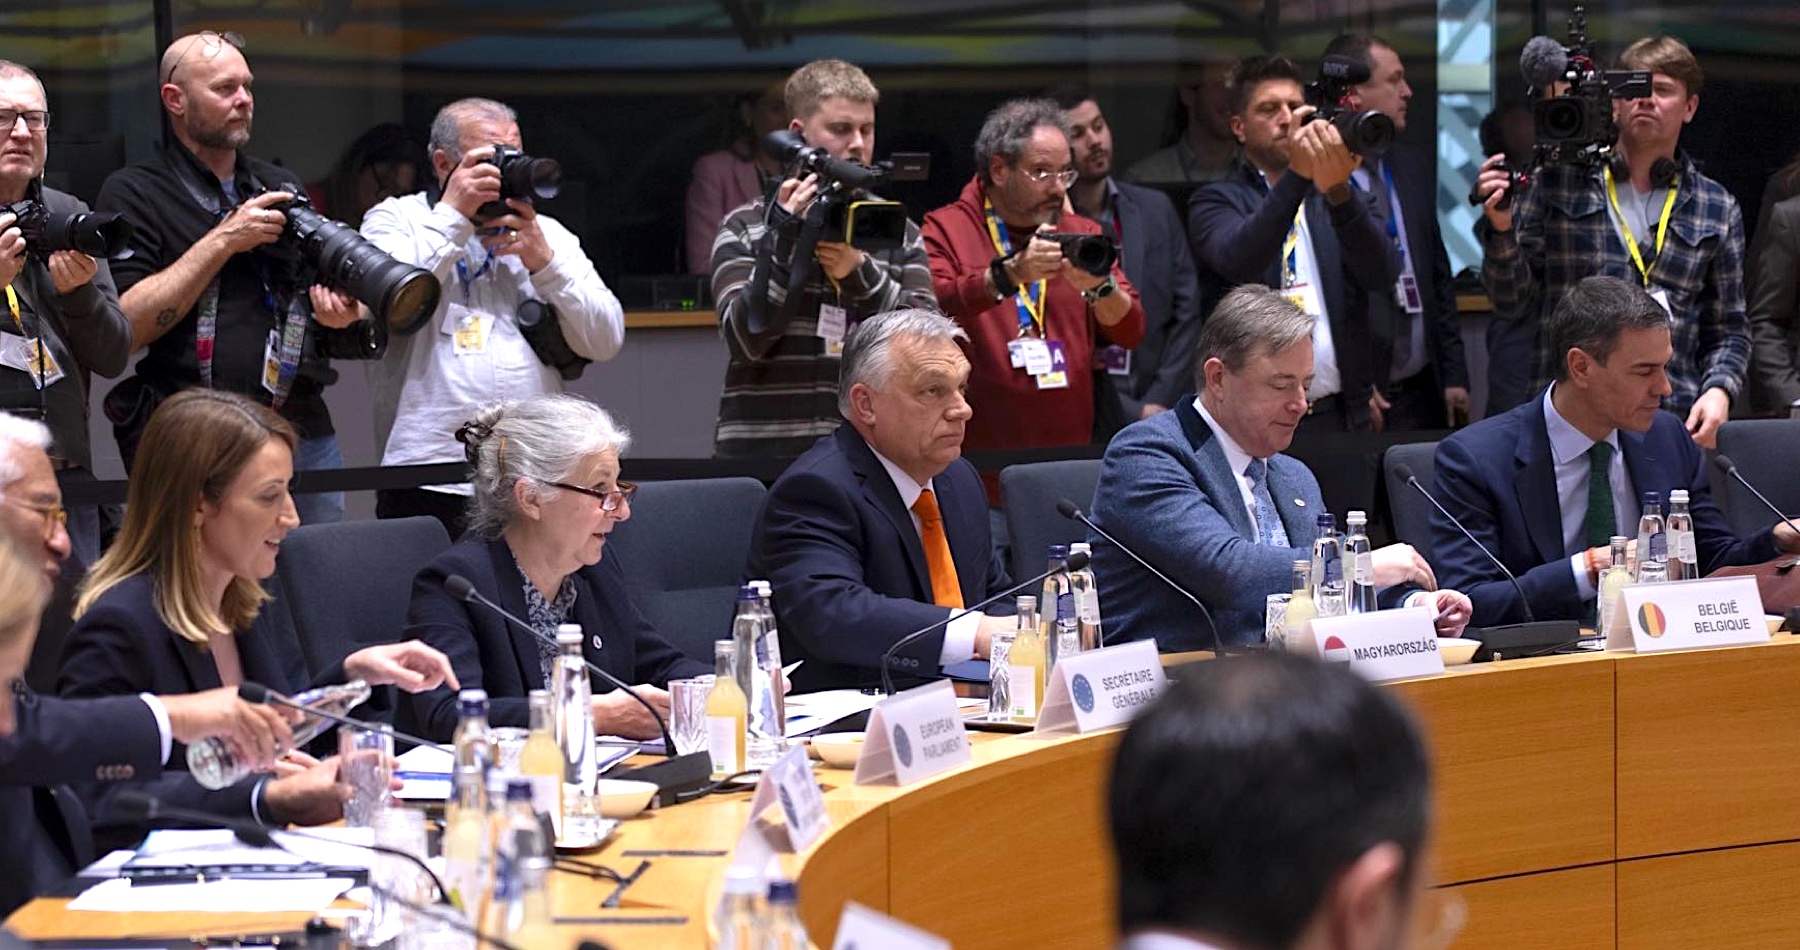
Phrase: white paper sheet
x=238 y=895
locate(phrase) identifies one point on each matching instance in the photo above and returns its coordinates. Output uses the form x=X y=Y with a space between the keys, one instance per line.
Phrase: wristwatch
x=1101 y=291
x=1339 y=193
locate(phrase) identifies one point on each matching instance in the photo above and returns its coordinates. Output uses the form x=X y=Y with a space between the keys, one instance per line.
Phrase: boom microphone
x=1724 y=464
x=1543 y=62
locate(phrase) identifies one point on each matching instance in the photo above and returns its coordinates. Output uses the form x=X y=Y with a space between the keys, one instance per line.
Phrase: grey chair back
x=347 y=585
x=1412 y=513
x=1766 y=452
x=1028 y=497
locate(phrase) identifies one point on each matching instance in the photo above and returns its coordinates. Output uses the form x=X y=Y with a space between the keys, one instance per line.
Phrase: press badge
x=1117 y=360
x=271 y=370
x=1661 y=297
x=834 y=322
x=1306 y=297
x=23 y=354
x=1055 y=372
x=471 y=334
x=1034 y=356
x=1406 y=294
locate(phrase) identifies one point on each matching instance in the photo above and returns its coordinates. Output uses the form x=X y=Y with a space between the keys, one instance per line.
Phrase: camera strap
x=1029 y=298
x=1662 y=226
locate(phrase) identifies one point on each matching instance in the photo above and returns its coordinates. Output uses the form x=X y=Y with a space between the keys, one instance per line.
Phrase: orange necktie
x=945 y=591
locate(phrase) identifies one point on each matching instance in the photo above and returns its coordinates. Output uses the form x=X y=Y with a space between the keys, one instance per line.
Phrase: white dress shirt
x=423 y=389
x=1569 y=448
x=959 y=634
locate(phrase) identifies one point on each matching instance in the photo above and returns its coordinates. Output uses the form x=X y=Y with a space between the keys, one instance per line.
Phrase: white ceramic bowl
x=1457 y=650
x=623 y=798
x=839 y=750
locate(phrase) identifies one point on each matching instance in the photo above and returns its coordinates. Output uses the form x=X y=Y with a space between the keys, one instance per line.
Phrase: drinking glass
x=1275 y=621
x=687 y=713
x=365 y=764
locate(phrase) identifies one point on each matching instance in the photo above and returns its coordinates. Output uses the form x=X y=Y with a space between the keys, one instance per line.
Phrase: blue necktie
x=1269 y=529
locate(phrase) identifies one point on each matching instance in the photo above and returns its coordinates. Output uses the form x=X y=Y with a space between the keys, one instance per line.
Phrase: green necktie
x=1601 y=525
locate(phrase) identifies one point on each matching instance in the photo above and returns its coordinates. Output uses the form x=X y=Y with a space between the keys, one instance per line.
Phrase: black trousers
x=1417 y=404
x=452 y=510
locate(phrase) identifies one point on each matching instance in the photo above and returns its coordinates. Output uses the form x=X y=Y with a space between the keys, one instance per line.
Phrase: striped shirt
x=780 y=385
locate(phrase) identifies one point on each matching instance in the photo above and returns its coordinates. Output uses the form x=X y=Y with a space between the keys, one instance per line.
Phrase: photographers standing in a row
x=1417 y=337
x=522 y=310
x=1035 y=320
x=62 y=318
x=1289 y=218
x=1649 y=216
x=781 y=384
x=203 y=287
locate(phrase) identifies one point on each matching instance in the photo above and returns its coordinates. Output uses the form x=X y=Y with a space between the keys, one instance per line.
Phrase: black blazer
x=489 y=653
x=848 y=568
x=1161 y=269
x=1415 y=183
x=1237 y=227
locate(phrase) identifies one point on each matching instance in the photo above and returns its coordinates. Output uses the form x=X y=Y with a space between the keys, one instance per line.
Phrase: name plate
x=1385 y=645
x=913 y=735
x=1683 y=615
x=1101 y=689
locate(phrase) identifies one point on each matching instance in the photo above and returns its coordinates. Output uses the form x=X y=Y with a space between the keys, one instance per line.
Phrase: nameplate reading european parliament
x=1385 y=645
x=1684 y=615
x=1101 y=689
x=913 y=735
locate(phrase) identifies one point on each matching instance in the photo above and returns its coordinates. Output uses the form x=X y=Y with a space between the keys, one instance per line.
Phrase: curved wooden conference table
x=1582 y=802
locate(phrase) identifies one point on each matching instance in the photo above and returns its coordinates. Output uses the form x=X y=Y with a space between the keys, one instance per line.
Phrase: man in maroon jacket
x=1034 y=319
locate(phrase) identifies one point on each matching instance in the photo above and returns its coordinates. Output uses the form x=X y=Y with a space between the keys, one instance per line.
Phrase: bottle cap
x=1678 y=496
x=1356 y=517
x=1081 y=547
x=568 y=634
x=518 y=790
x=783 y=892
x=472 y=702
x=1058 y=551
x=537 y=696
x=1620 y=539
x=1302 y=564
x=1652 y=498
x=742 y=880
x=1326 y=520
x=763 y=588
x=1027 y=602
x=747 y=592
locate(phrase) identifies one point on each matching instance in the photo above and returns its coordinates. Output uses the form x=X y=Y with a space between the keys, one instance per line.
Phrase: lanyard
x=1631 y=244
x=1029 y=297
x=468 y=280
x=39 y=362
x=1393 y=215
x=1290 y=252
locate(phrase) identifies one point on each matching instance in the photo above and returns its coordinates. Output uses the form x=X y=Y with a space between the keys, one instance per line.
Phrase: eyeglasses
x=609 y=500
x=1066 y=176
x=37 y=120
x=54 y=514
x=215 y=44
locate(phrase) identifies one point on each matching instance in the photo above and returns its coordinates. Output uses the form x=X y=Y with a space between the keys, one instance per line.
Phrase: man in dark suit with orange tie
x=881 y=528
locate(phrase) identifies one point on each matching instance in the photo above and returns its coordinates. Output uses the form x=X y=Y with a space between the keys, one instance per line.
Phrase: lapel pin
x=1300 y=502
x=597 y=641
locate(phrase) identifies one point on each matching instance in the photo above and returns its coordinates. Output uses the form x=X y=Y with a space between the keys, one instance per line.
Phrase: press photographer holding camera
x=205 y=288
x=62 y=318
x=1639 y=210
x=784 y=311
x=523 y=310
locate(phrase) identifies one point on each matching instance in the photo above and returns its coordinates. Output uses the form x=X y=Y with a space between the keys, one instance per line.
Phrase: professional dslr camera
x=94 y=233
x=1577 y=127
x=851 y=215
x=401 y=296
x=1365 y=133
x=523 y=177
x=1094 y=253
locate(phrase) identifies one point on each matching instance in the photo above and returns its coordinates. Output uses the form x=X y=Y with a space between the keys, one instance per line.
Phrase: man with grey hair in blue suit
x=1205 y=494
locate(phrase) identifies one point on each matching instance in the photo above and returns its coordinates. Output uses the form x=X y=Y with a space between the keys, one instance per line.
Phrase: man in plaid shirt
x=1688 y=233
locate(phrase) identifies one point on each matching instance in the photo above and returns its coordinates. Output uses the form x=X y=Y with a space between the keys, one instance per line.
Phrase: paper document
x=425 y=771
x=239 y=895
x=807 y=713
x=216 y=848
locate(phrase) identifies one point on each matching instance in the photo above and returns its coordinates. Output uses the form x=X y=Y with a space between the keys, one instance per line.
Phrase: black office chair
x=1765 y=452
x=684 y=553
x=1412 y=513
x=1028 y=497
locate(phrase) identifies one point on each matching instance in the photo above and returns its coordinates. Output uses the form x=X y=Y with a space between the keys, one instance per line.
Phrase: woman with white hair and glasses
x=546 y=495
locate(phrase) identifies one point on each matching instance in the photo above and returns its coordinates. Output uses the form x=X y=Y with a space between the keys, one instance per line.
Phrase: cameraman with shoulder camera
x=1647 y=216
x=204 y=288
x=522 y=311
x=62 y=318
x=1289 y=218
x=781 y=384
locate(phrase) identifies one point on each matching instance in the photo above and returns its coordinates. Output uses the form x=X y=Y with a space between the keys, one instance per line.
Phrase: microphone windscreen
x=459 y=587
x=1076 y=561
x=1404 y=471
x=1068 y=509
x=1543 y=62
x=253 y=693
x=1723 y=463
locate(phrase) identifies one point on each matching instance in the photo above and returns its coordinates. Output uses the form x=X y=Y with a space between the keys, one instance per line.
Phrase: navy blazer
x=489 y=653
x=1499 y=478
x=1161 y=268
x=1237 y=227
x=848 y=568
x=1415 y=184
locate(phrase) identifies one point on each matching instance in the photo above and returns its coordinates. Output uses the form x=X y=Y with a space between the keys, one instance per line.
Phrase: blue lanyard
x=466 y=280
x=1029 y=298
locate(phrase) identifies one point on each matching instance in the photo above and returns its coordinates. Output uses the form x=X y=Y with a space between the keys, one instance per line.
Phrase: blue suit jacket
x=489 y=653
x=1499 y=478
x=848 y=567
x=1161 y=268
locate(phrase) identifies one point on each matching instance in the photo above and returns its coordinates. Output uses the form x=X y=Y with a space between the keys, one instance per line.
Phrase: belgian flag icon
x=1651 y=620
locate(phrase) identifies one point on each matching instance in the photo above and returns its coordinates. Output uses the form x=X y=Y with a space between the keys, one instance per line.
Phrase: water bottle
x=466 y=844
x=1025 y=662
x=1361 y=562
x=785 y=931
x=1328 y=568
x=1653 y=543
x=741 y=928
x=768 y=660
x=1684 y=557
x=213 y=764
x=763 y=736
x=473 y=740
x=519 y=842
x=1087 y=601
x=572 y=696
x=1613 y=581
x=1297 y=627
x=1000 y=676
x=1062 y=631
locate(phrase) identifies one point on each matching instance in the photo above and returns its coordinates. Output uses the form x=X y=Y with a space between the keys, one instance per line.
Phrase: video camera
x=94 y=233
x=523 y=177
x=1365 y=133
x=1577 y=127
x=852 y=216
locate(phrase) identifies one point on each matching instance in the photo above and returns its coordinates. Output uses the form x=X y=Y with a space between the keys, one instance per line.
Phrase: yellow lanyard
x=40 y=364
x=1031 y=313
x=12 y=303
x=1631 y=244
x=1290 y=252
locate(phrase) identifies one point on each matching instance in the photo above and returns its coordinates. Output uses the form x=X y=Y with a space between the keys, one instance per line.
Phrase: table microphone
x=1533 y=634
x=677 y=775
x=1070 y=510
x=1723 y=463
x=260 y=695
x=1073 y=562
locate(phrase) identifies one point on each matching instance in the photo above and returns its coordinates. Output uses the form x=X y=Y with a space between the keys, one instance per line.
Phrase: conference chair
x=1412 y=513
x=683 y=554
x=1765 y=452
x=1028 y=497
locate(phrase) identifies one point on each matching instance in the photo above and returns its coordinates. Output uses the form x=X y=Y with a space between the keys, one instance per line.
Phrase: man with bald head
x=202 y=289
x=506 y=269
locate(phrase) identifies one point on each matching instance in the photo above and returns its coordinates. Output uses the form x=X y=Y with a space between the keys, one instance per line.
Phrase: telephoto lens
x=400 y=295
x=94 y=233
